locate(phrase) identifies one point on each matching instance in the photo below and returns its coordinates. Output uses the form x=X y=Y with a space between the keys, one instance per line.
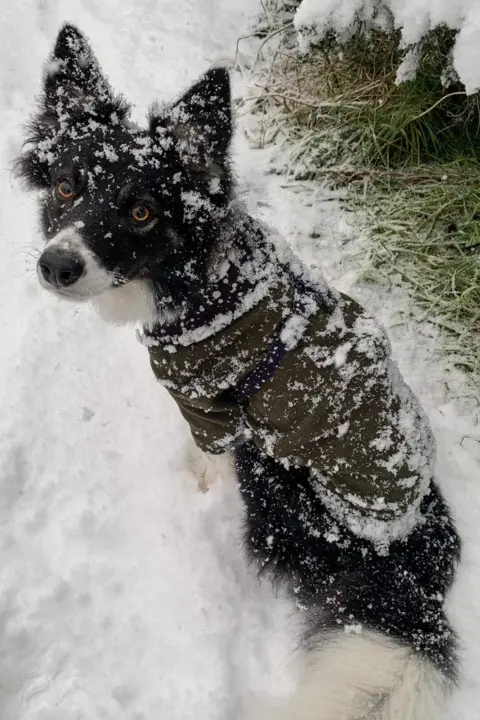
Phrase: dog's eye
x=64 y=190
x=141 y=213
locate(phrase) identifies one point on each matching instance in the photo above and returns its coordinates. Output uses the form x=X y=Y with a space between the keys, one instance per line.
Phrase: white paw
x=208 y=468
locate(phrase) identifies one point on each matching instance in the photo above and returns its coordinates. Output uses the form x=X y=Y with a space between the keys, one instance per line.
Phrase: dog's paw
x=208 y=469
x=202 y=468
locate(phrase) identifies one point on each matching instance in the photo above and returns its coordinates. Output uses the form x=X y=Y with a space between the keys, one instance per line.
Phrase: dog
x=270 y=367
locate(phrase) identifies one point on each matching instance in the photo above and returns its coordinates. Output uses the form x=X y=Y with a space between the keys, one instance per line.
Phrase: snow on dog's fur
x=139 y=221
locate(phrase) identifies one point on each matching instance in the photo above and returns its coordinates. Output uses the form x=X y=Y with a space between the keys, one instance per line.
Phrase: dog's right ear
x=74 y=87
x=73 y=80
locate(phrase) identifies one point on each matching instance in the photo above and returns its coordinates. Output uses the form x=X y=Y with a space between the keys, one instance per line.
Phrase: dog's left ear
x=201 y=121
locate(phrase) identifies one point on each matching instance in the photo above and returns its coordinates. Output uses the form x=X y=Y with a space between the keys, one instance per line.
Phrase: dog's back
x=379 y=644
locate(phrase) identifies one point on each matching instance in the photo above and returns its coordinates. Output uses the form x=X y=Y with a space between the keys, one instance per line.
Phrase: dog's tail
x=367 y=676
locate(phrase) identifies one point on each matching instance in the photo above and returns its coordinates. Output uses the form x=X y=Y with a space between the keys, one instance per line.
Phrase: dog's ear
x=201 y=121
x=74 y=87
x=73 y=79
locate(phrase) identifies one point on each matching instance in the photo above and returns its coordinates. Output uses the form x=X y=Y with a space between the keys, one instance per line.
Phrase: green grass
x=426 y=226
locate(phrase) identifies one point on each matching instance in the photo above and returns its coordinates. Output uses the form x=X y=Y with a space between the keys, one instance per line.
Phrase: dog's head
x=120 y=205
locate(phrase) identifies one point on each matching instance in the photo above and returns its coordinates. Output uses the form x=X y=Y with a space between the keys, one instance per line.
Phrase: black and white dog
x=141 y=222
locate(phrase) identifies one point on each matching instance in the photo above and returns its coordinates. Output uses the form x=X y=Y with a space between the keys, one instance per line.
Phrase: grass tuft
x=345 y=104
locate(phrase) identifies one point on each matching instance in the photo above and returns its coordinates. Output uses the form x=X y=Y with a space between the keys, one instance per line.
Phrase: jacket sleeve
x=214 y=423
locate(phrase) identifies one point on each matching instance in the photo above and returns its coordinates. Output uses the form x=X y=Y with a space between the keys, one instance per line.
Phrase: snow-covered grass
x=342 y=100
x=407 y=152
x=426 y=226
x=315 y=18
x=124 y=592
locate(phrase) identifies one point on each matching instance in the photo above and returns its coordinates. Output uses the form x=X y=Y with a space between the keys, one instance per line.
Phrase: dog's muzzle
x=61 y=268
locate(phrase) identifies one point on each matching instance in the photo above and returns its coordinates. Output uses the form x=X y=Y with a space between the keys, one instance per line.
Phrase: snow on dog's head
x=122 y=205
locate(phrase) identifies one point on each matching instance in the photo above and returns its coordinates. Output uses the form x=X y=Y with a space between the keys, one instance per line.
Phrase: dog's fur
x=378 y=642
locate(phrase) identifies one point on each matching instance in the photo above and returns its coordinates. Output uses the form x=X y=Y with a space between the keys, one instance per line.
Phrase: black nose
x=61 y=268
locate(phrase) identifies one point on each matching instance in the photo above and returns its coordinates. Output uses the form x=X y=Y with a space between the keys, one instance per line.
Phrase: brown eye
x=141 y=213
x=64 y=190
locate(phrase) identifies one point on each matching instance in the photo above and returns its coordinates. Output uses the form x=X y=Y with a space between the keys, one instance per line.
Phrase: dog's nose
x=61 y=268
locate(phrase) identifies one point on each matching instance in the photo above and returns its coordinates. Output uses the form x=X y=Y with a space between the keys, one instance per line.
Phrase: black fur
x=340 y=578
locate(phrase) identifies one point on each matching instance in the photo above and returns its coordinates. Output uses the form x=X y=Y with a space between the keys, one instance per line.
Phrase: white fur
x=129 y=303
x=366 y=676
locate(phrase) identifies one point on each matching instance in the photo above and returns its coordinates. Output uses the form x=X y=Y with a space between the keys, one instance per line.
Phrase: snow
x=125 y=594
x=415 y=19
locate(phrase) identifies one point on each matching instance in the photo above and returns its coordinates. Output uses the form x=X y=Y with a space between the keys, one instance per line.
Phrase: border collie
x=292 y=380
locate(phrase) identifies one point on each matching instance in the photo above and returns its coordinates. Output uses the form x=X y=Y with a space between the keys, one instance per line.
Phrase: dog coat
x=335 y=403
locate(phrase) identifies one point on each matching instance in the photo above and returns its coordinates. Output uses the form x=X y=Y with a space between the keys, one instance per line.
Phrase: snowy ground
x=124 y=594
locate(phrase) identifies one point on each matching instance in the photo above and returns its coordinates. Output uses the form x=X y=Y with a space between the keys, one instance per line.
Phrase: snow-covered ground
x=123 y=591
